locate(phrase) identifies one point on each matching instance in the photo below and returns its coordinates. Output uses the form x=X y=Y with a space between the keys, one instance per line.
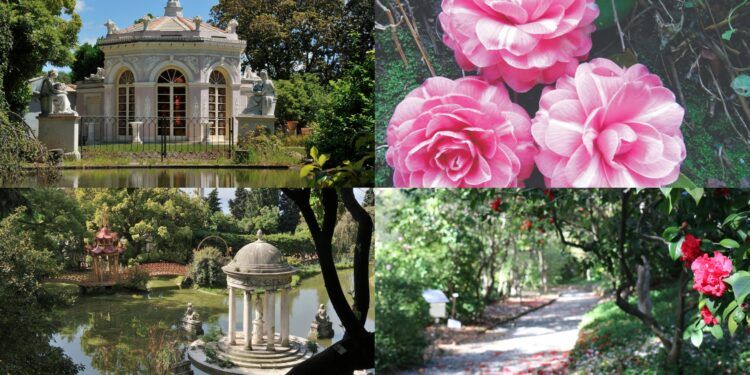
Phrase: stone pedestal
x=137 y=126
x=60 y=131
x=248 y=123
x=320 y=330
x=205 y=129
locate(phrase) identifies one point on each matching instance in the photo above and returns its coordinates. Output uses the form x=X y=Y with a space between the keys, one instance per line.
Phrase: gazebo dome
x=259 y=257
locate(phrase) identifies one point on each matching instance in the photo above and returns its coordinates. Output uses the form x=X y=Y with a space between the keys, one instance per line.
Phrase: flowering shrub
x=722 y=280
x=609 y=127
x=523 y=42
x=462 y=133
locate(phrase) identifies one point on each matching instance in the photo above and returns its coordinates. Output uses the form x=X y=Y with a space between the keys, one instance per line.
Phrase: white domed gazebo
x=258 y=269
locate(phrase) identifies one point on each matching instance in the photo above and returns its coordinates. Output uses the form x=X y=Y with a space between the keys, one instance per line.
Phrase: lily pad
x=606 y=17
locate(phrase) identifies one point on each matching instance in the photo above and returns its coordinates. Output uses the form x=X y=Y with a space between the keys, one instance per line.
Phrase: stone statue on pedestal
x=321 y=327
x=191 y=321
x=53 y=96
x=263 y=98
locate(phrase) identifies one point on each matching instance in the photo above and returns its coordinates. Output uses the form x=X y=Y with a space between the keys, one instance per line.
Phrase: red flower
x=709 y=274
x=549 y=193
x=495 y=205
x=708 y=317
x=552 y=220
x=721 y=192
x=691 y=249
x=526 y=225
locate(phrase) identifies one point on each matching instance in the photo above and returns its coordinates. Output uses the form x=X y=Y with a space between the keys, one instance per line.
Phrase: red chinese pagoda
x=106 y=253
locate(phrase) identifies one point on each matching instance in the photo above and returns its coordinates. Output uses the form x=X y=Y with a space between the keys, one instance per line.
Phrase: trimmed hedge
x=289 y=244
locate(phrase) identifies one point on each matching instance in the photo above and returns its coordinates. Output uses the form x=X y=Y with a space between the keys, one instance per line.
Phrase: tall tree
x=27 y=309
x=213 y=201
x=88 y=58
x=289 y=214
x=257 y=199
x=238 y=205
x=357 y=349
x=289 y=36
x=34 y=33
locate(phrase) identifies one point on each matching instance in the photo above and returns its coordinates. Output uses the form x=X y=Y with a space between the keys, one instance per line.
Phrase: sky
x=226 y=194
x=94 y=13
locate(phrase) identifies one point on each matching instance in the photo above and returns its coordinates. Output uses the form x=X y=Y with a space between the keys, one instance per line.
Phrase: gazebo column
x=247 y=321
x=230 y=328
x=258 y=322
x=285 y=317
x=270 y=319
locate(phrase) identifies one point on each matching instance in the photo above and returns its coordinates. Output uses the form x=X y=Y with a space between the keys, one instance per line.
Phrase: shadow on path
x=537 y=342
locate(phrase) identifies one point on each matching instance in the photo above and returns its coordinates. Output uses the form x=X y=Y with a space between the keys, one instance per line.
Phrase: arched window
x=217 y=103
x=125 y=102
x=172 y=103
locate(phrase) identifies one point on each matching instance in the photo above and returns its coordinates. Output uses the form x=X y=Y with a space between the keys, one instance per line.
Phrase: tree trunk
x=675 y=352
x=542 y=269
x=354 y=351
x=643 y=288
x=361 y=254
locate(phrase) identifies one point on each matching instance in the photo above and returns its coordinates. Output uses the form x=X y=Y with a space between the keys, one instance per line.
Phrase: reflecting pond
x=169 y=177
x=114 y=334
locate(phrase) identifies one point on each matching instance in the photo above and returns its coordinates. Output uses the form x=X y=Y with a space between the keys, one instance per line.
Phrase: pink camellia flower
x=522 y=42
x=708 y=318
x=609 y=127
x=709 y=274
x=462 y=133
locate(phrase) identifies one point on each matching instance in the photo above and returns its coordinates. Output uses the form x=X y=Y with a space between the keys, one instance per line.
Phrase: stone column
x=285 y=317
x=230 y=324
x=258 y=322
x=270 y=321
x=247 y=321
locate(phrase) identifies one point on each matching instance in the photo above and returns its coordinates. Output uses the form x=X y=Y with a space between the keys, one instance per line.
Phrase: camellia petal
x=609 y=127
x=521 y=42
x=462 y=133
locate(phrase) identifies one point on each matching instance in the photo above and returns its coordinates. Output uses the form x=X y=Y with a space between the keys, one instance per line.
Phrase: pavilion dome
x=258 y=257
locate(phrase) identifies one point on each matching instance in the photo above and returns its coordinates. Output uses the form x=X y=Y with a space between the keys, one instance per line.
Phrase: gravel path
x=538 y=342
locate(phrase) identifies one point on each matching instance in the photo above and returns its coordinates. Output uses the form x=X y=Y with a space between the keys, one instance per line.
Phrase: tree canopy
x=87 y=59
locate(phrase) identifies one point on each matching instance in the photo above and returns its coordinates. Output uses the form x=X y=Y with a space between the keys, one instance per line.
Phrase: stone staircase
x=259 y=357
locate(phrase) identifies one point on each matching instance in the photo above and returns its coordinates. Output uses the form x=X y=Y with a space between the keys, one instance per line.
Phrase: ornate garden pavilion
x=261 y=273
x=106 y=254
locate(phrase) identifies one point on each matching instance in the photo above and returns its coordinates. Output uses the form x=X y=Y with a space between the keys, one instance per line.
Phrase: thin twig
x=619 y=28
x=394 y=35
x=416 y=38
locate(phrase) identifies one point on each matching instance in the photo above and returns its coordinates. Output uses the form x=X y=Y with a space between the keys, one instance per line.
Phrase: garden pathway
x=538 y=342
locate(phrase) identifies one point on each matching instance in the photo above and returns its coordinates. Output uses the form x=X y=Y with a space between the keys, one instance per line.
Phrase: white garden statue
x=53 y=96
x=263 y=98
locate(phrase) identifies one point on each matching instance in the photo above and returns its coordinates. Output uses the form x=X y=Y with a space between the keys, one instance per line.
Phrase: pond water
x=216 y=177
x=118 y=333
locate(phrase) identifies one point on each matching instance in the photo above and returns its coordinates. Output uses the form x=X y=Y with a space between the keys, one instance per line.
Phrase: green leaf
x=741 y=85
x=306 y=170
x=732 y=325
x=727 y=35
x=323 y=159
x=731 y=219
x=675 y=249
x=740 y=283
x=738 y=316
x=729 y=243
x=696 y=337
x=670 y=233
x=717 y=332
x=728 y=310
x=684 y=182
x=696 y=193
x=314 y=153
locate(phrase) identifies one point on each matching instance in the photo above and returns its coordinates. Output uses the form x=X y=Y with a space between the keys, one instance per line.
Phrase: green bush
x=205 y=270
x=402 y=315
x=299 y=98
x=137 y=279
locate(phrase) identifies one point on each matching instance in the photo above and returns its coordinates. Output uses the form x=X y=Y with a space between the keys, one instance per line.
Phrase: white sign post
x=437 y=301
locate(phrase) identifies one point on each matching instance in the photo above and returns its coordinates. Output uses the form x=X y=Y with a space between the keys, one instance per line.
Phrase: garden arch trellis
x=227 y=248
